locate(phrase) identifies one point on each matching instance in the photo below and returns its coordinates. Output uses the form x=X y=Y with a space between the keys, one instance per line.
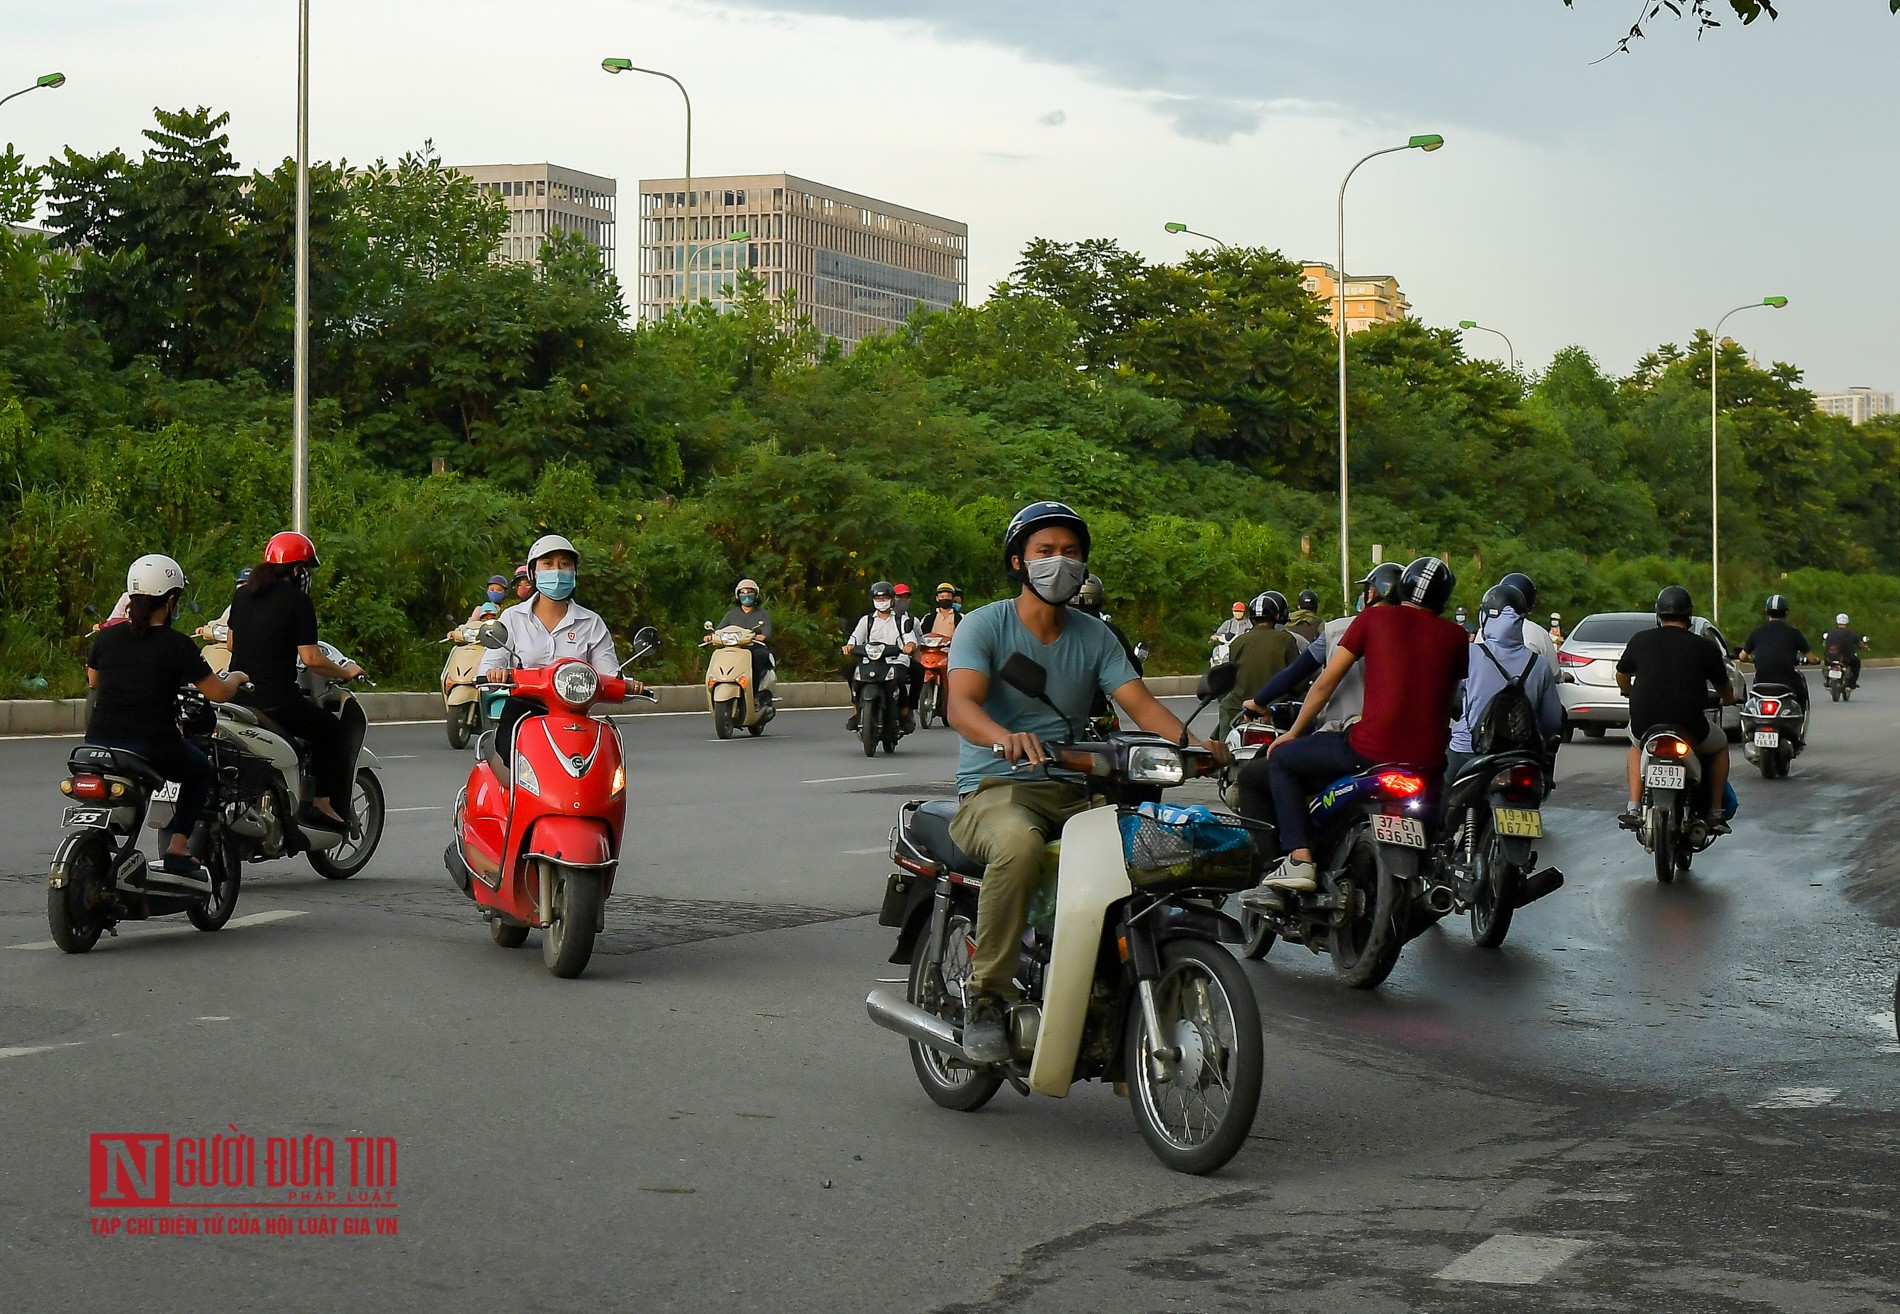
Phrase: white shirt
x=886 y=628
x=1538 y=640
x=581 y=633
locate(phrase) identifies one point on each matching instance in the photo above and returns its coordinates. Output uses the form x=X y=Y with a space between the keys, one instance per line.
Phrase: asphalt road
x=1676 y=1098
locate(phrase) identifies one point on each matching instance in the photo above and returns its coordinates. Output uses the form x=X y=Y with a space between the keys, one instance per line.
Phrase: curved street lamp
x=1508 y=348
x=730 y=239
x=1715 y=480
x=1179 y=228
x=1430 y=141
x=614 y=65
x=49 y=81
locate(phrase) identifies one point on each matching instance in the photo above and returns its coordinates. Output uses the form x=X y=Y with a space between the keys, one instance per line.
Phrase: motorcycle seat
x=99 y=760
x=929 y=832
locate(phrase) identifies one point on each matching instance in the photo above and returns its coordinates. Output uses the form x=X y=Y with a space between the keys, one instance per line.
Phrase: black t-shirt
x=1841 y=643
x=1776 y=647
x=1672 y=670
x=139 y=677
x=266 y=630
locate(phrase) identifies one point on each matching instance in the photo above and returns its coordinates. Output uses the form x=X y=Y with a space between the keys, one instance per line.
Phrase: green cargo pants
x=1005 y=825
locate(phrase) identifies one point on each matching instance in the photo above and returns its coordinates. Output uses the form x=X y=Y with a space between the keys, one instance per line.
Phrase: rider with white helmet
x=1843 y=644
x=137 y=669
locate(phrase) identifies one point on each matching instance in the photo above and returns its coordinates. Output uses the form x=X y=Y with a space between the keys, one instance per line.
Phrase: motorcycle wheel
x=1195 y=1114
x=506 y=934
x=70 y=914
x=756 y=729
x=459 y=723
x=1492 y=909
x=226 y=869
x=1366 y=948
x=354 y=853
x=1847 y=695
x=568 y=941
x=891 y=730
x=1766 y=764
x=1833 y=694
x=1664 y=840
x=949 y=1083
x=1783 y=758
x=868 y=728
x=927 y=705
x=1259 y=933
x=722 y=719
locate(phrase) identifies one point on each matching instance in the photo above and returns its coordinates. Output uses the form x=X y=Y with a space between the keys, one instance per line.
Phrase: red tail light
x=1519 y=782
x=93 y=787
x=1771 y=707
x=1571 y=659
x=1670 y=746
x=1256 y=734
x=1401 y=784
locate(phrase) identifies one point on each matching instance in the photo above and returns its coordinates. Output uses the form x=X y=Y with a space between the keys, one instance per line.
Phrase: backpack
x=1508 y=723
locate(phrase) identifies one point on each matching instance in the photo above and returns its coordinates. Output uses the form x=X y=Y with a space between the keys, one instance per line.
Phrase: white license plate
x=167 y=793
x=1659 y=775
x=1768 y=739
x=1406 y=832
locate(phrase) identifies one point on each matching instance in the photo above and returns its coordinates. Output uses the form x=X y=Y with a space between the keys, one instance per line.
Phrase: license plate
x=87 y=817
x=167 y=793
x=1406 y=832
x=1768 y=739
x=1525 y=822
x=1660 y=775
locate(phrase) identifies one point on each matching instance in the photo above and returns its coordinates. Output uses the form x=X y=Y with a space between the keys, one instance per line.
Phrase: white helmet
x=551 y=543
x=1841 y=619
x=153 y=576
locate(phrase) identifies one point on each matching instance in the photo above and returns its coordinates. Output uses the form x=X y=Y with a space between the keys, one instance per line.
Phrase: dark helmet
x=1502 y=595
x=1428 y=582
x=1040 y=515
x=1522 y=583
x=1091 y=595
x=883 y=589
x=1383 y=582
x=1267 y=608
x=1777 y=604
x=1673 y=604
x=1309 y=600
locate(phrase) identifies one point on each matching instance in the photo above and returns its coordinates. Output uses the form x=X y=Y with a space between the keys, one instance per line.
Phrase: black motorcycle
x=99 y=877
x=882 y=678
x=1493 y=810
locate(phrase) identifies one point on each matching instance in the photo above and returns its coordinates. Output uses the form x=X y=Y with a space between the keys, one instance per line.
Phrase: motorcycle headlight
x=1154 y=764
x=732 y=641
x=576 y=684
x=620 y=780
x=525 y=777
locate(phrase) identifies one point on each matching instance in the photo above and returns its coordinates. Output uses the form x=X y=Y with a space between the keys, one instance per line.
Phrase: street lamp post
x=1508 y=348
x=628 y=66
x=1179 y=228
x=729 y=240
x=1715 y=479
x=300 y=335
x=1424 y=142
x=50 y=81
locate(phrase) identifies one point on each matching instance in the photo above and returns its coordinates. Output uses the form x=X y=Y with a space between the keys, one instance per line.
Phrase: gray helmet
x=1092 y=595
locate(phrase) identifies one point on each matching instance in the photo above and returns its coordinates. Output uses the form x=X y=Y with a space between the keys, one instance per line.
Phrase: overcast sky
x=1618 y=204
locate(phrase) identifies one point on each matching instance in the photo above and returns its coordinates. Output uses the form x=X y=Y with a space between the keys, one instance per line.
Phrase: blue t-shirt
x=1084 y=658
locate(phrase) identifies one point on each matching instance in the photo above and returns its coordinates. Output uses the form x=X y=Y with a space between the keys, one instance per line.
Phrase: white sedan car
x=1586 y=672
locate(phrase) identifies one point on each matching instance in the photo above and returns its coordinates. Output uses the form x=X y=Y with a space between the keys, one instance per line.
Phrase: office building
x=1370 y=298
x=1859 y=405
x=856 y=265
x=544 y=199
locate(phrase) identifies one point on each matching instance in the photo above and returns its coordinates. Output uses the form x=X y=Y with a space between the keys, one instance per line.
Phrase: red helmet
x=291 y=549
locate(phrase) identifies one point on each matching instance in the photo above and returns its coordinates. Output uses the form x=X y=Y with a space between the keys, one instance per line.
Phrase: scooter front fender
x=1092 y=876
x=571 y=841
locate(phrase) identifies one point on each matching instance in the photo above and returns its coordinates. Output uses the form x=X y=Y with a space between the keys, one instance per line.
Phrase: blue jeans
x=1298 y=770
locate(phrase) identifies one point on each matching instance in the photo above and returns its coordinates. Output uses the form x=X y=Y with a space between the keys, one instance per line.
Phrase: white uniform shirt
x=581 y=633
x=888 y=628
x=1538 y=640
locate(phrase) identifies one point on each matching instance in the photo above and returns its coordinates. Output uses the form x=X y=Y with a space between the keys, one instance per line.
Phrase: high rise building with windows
x=1370 y=298
x=856 y=265
x=544 y=199
x=1858 y=405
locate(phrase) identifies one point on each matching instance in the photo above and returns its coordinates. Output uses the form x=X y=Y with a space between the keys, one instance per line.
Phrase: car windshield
x=1614 y=628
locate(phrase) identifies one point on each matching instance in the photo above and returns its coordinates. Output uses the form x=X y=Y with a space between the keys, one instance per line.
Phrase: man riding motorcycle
x=882 y=624
x=1778 y=649
x=1381 y=584
x=1305 y=622
x=1007 y=816
x=1414 y=660
x=747 y=612
x=1261 y=653
x=1537 y=638
x=1666 y=674
x=1843 y=645
x=1500 y=655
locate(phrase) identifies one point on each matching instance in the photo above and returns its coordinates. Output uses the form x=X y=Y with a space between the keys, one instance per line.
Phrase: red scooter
x=537 y=836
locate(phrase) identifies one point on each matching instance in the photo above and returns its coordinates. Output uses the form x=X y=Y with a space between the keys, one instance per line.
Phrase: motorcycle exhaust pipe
x=321 y=837
x=250 y=825
x=1538 y=884
x=911 y=1022
x=1440 y=898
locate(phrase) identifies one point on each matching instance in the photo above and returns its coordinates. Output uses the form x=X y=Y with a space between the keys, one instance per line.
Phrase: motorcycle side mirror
x=191 y=605
x=709 y=626
x=1026 y=676
x=1216 y=682
x=494 y=635
x=1141 y=651
x=91 y=610
x=646 y=637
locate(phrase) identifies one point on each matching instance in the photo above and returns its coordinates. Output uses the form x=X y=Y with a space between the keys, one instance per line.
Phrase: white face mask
x=1056 y=580
x=882 y=604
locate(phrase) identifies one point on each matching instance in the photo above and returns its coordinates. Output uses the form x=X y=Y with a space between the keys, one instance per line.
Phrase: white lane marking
x=250 y=919
x=1513 y=1261
x=433 y=807
x=859 y=853
x=1798 y=1097
x=213 y=1019
x=396 y=757
x=16 y=1051
x=833 y=780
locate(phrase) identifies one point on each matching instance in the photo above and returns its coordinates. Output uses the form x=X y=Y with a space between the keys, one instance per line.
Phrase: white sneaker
x=1296 y=876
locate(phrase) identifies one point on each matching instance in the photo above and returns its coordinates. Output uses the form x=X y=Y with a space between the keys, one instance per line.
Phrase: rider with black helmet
x=1537 y=638
x=1381 y=584
x=1261 y=653
x=1667 y=674
x=1007 y=815
x=1304 y=621
x=1778 y=649
x=1500 y=656
x=882 y=624
x=1414 y=659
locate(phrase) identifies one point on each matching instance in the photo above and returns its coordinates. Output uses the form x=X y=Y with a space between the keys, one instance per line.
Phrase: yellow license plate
x=1527 y=822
